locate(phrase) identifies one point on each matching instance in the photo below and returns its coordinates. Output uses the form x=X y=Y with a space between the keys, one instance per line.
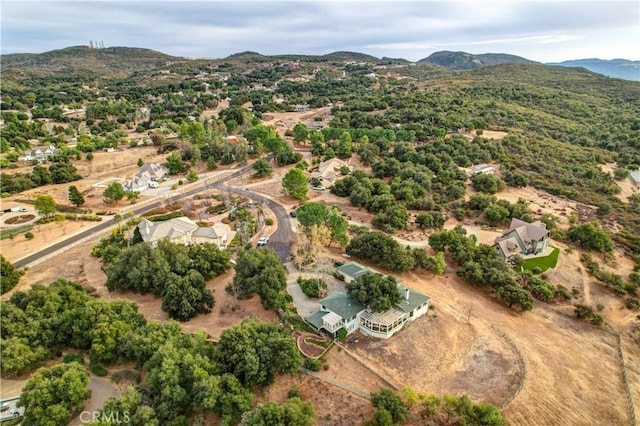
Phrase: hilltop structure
x=522 y=239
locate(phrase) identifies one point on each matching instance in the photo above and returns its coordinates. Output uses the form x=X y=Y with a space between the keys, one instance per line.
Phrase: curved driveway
x=281 y=240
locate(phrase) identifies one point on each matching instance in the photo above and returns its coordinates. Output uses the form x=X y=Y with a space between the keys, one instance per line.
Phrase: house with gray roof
x=522 y=239
x=340 y=311
x=328 y=171
x=182 y=230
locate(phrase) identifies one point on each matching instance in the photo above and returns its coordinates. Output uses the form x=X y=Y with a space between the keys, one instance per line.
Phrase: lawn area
x=12 y=232
x=543 y=263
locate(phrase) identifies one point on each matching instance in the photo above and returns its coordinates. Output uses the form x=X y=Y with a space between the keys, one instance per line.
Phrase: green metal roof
x=316 y=319
x=353 y=269
x=341 y=304
x=415 y=299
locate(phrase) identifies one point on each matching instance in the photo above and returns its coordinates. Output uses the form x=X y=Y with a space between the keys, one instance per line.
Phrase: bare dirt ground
x=626 y=187
x=541 y=202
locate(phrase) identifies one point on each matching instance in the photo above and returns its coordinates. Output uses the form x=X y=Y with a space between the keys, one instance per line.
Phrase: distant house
x=340 y=311
x=522 y=239
x=147 y=177
x=182 y=230
x=329 y=170
x=301 y=108
x=40 y=154
x=635 y=179
x=482 y=168
x=232 y=139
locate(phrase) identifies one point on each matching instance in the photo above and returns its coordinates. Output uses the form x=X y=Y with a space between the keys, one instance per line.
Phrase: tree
x=488 y=183
x=174 y=163
x=241 y=151
x=292 y=412
x=113 y=193
x=132 y=196
x=187 y=296
x=377 y=291
x=192 y=176
x=140 y=163
x=391 y=402
x=295 y=184
x=300 y=132
x=344 y=146
x=255 y=352
x=382 y=250
x=312 y=213
x=9 y=276
x=260 y=271
x=45 y=205
x=338 y=226
x=75 y=196
x=53 y=396
x=591 y=237
x=262 y=168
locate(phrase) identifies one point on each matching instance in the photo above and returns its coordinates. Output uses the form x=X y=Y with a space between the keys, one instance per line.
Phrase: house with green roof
x=340 y=311
x=352 y=270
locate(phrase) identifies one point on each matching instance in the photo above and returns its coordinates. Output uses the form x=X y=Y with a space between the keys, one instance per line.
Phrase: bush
x=28 y=235
x=341 y=334
x=268 y=222
x=313 y=287
x=99 y=371
x=129 y=375
x=312 y=364
x=633 y=303
x=72 y=357
x=294 y=393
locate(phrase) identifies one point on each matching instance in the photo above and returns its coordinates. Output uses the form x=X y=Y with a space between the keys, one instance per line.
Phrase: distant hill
x=84 y=61
x=618 y=68
x=466 y=61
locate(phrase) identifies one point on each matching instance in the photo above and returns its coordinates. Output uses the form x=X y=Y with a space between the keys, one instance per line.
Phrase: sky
x=544 y=31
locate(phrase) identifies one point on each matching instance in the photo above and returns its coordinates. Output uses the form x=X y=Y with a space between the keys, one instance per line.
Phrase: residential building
x=482 y=168
x=328 y=171
x=147 y=177
x=182 y=230
x=522 y=239
x=340 y=311
x=39 y=154
x=635 y=179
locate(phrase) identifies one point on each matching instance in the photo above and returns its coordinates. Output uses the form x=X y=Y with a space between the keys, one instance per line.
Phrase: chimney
x=406 y=294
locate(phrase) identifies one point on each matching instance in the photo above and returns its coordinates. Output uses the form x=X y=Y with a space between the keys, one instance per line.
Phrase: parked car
x=293 y=214
x=318 y=188
x=263 y=241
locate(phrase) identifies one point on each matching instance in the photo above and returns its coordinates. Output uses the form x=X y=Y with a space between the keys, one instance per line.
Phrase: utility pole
x=469 y=313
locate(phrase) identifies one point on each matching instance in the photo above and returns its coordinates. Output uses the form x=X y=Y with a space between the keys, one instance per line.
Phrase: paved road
x=281 y=240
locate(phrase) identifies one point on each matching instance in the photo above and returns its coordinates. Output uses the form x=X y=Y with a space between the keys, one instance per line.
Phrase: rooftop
x=341 y=304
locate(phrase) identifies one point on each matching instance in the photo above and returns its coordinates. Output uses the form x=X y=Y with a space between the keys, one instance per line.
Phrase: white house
x=482 y=168
x=340 y=311
x=182 y=230
x=147 y=177
x=39 y=154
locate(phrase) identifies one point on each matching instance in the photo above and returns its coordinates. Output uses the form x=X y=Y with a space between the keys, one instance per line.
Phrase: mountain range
x=113 y=60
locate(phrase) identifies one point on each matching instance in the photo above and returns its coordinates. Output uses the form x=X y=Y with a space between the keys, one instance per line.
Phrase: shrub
x=313 y=287
x=632 y=303
x=72 y=357
x=99 y=371
x=341 y=334
x=294 y=393
x=28 y=235
x=312 y=364
x=268 y=222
